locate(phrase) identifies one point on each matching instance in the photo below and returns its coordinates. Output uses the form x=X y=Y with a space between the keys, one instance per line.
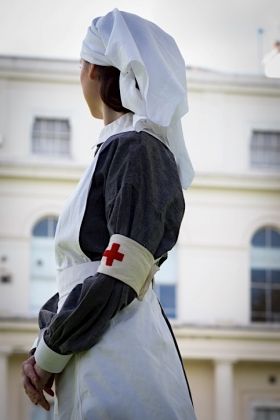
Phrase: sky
x=221 y=35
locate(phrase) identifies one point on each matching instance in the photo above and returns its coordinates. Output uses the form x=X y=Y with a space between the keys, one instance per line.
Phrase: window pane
x=275 y=317
x=168 y=270
x=41 y=228
x=166 y=295
x=260 y=414
x=267 y=413
x=258 y=299
x=275 y=239
x=275 y=301
x=259 y=238
x=259 y=317
x=42 y=272
x=52 y=226
x=275 y=277
x=45 y=227
x=265 y=275
x=258 y=276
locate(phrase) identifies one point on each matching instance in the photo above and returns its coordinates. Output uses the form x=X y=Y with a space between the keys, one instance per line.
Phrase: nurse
x=104 y=337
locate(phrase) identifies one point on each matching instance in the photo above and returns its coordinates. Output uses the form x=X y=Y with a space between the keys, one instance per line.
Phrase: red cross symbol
x=113 y=254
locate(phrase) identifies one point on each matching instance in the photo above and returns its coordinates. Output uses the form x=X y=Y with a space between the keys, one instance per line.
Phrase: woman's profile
x=104 y=338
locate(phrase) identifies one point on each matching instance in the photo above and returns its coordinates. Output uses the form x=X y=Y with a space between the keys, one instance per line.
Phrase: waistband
x=76 y=274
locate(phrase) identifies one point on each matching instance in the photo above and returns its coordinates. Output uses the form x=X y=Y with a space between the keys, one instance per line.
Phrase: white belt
x=74 y=275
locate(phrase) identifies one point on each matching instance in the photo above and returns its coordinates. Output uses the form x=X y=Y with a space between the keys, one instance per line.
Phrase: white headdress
x=143 y=51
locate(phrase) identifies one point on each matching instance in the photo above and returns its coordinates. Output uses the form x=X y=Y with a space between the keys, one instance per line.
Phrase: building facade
x=221 y=284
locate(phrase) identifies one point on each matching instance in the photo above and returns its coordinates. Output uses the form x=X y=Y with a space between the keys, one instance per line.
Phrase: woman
x=104 y=336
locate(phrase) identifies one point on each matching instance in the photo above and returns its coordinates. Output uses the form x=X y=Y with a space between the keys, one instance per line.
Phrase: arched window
x=265 y=275
x=45 y=228
x=165 y=284
x=43 y=271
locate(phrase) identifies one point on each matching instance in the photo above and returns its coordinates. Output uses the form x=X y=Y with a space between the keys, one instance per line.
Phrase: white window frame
x=260 y=157
x=258 y=260
x=49 y=154
x=267 y=404
x=259 y=125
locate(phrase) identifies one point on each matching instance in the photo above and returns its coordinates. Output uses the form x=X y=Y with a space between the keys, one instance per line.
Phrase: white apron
x=134 y=371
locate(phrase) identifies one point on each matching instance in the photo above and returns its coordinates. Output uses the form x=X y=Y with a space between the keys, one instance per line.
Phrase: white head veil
x=143 y=51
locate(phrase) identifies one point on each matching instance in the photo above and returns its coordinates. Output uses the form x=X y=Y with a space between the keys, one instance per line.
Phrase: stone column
x=224 y=390
x=3 y=384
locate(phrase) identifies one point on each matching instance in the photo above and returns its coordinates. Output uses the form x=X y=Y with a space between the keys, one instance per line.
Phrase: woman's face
x=91 y=86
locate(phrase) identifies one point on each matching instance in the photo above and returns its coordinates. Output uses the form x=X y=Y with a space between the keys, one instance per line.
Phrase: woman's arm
x=144 y=202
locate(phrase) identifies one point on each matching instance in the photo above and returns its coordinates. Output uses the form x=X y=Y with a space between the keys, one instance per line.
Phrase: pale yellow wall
x=25 y=100
x=18 y=405
x=252 y=385
x=200 y=377
x=218 y=127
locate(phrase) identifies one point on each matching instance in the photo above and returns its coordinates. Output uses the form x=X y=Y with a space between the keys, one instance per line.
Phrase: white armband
x=130 y=262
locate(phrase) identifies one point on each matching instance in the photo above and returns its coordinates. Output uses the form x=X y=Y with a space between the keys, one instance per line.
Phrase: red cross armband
x=130 y=262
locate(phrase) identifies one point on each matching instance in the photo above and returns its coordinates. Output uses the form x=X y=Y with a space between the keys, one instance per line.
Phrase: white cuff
x=128 y=261
x=49 y=360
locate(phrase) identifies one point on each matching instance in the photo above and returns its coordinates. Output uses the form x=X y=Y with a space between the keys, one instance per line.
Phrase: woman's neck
x=109 y=115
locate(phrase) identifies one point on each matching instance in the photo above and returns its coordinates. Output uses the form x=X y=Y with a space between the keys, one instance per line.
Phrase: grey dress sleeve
x=142 y=200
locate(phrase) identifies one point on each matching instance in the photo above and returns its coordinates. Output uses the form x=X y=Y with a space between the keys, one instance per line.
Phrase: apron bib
x=134 y=371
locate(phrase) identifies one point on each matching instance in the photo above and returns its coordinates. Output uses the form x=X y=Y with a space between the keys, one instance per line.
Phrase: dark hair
x=110 y=91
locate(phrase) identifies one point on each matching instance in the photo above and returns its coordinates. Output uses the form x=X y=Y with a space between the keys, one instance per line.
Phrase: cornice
x=215 y=344
x=199 y=79
x=70 y=171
